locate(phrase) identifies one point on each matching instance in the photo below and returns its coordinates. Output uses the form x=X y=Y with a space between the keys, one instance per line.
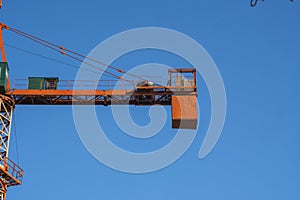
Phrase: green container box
x=36 y=83
x=3 y=76
x=42 y=83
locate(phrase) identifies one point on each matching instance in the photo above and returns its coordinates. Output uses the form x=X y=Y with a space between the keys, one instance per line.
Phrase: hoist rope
x=63 y=50
x=16 y=140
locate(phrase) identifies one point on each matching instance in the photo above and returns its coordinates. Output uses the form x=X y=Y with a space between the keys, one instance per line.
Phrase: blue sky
x=257 y=52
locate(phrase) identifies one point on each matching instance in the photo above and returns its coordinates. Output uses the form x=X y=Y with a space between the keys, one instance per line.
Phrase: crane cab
x=3 y=77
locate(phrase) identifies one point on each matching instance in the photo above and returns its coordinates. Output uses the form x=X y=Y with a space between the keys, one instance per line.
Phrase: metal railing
x=82 y=84
x=13 y=169
x=78 y=84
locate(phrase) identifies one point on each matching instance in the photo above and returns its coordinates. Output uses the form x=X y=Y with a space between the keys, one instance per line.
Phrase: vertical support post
x=3 y=55
x=169 y=79
x=6 y=112
x=2 y=45
x=195 y=80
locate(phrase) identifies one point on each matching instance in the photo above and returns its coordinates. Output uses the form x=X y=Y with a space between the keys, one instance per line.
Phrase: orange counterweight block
x=184 y=112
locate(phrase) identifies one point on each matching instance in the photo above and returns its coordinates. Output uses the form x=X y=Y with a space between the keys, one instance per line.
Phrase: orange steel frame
x=157 y=95
x=12 y=174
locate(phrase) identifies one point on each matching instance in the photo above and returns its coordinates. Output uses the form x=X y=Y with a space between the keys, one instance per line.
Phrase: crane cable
x=60 y=51
x=16 y=140
x=51 y=59
x=63 y=50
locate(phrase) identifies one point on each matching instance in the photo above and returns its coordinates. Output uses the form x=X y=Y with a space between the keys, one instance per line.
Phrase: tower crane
x=180 y=93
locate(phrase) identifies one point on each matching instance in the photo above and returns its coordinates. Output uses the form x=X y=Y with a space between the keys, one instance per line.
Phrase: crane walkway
x=10 y=172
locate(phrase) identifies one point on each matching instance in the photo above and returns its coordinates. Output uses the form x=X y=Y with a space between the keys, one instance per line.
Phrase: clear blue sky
x=257 y=52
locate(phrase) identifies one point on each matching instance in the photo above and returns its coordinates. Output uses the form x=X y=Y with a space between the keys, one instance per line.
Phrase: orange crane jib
x=180 y=93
